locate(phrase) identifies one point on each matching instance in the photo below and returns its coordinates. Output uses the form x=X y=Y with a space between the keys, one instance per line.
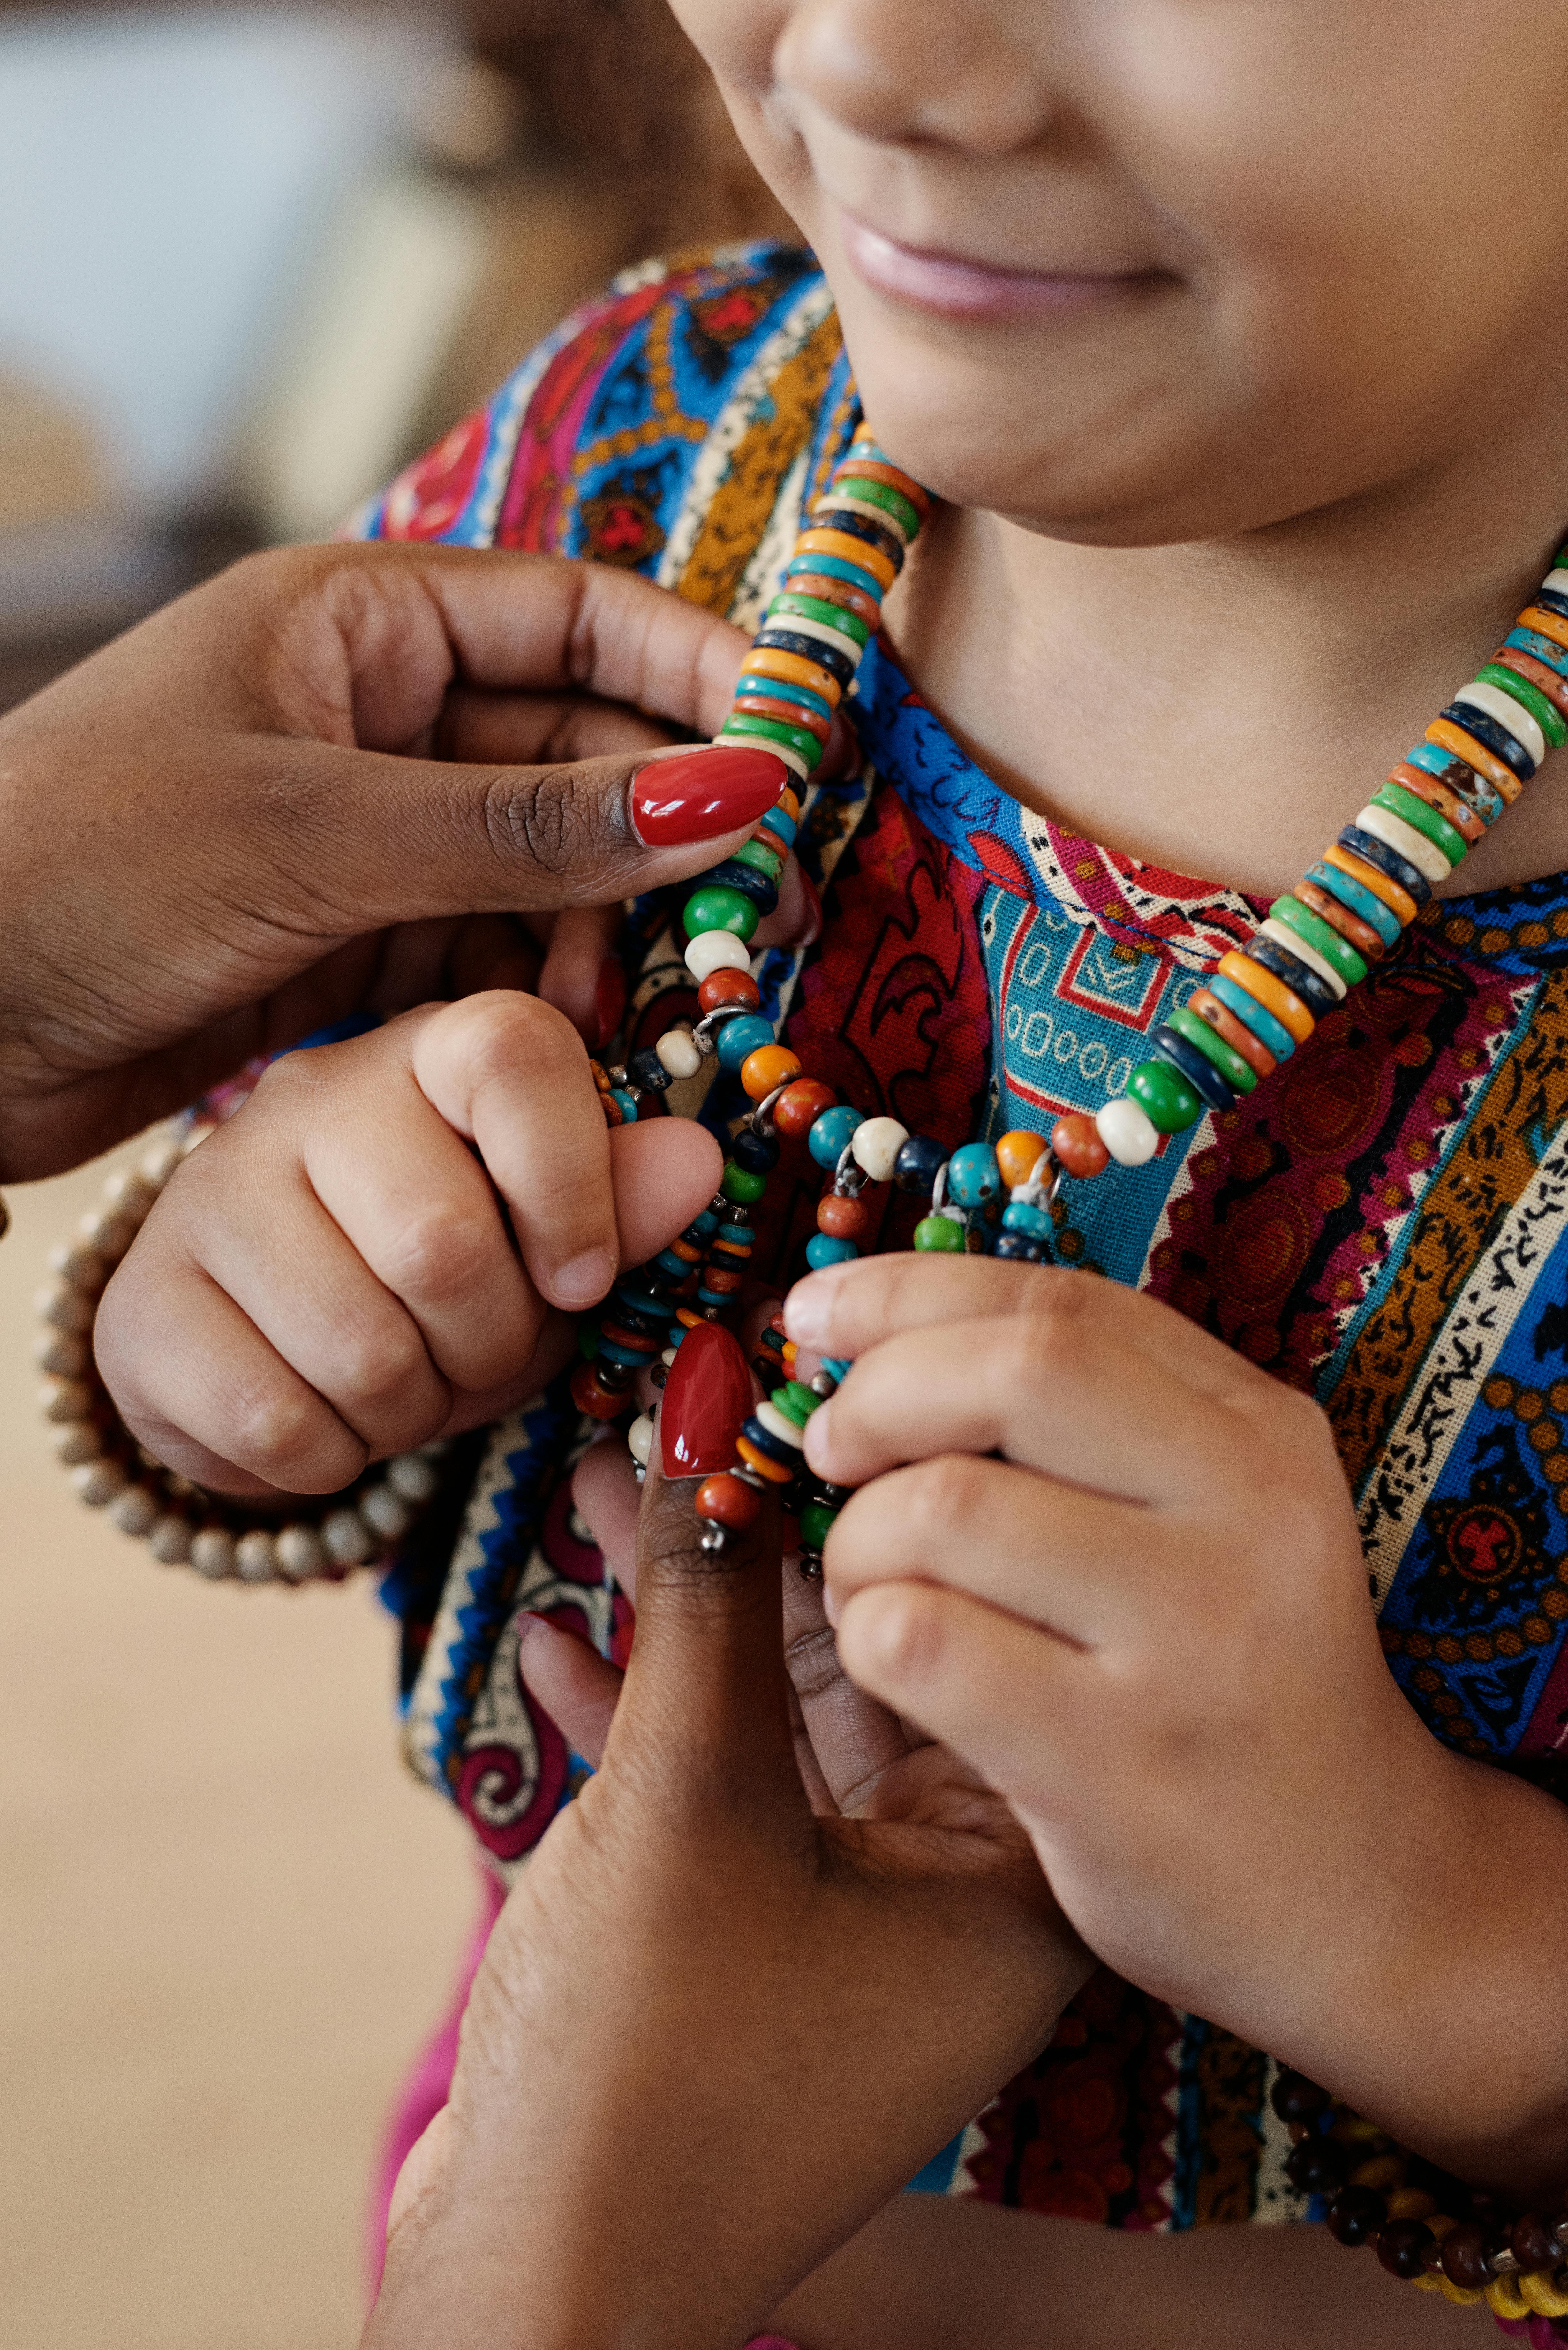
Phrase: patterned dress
x=1386 y=1225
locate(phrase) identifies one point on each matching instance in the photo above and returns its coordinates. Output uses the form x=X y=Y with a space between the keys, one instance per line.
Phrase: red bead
x=800 y=1105
x=591 y=1395
x=727 y=1502
x=722 y=1285
x=1076 y=1143
x=842 y=1220
x=721 y=987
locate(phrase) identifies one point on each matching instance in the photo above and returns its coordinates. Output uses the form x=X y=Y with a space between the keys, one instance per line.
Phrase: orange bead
x=591 y=1396
x=1075 y=1141
x=1399 y=902
x=1271 y=993
x=1236 y=1033
x=1327 y=908
x=842 y=1219
x=789 y=801
x=1544 y=624
x=872 y=469
x=800 y=1105
x=1536 y=673
x=848 y=550
x=727 y=1501
x=764 y=661
x=786 y=713
x=1450 y=737
x=838 y=591
x=1438 y=796
x=774 y=1471
x=1018 y=1154
x=769 y=1067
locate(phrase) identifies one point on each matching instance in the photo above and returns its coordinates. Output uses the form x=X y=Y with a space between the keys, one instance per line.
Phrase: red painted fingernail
x=609 y=998
x=704 y=793
x=706 y=1397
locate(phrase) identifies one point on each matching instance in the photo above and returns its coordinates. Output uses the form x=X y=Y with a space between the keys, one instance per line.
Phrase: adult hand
x=295 y=792
x=713 y=2033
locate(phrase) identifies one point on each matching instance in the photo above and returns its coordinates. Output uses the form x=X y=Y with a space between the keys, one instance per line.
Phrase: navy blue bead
x=1549 y=600
x=919 y=1164
x=861 y=526
x=1387 y=862
x=811 y=649
x=730 y=874
x=771 y=1446
x=1314 y=993
x=1199 y=1071
x=1019 y=1248
x=756 y=1152
x=646 y=1069
x=1492 y=736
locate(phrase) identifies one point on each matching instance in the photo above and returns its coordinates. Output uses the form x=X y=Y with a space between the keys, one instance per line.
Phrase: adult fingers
x=1046 y=1552
x=1071 y=1400
x=851 y=1307
x=579 y=1689
x=607 y=1497
x=532 y=729
x=852 y=1738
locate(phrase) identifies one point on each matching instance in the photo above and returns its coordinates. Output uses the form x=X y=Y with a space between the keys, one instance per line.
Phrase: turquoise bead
x=625 y=1104
x=974 y=1175
x=781 y=826
x=940 y=1233
x=832 y=567
x=718 y=907
x=1272 y=1034
x=822 y=1250
x=1166 y=1099
x=836 y=1369
x=1021 y=1218
x=1359 y=900
x=1539 y=648
x=739 y=1038
x=831 y=1134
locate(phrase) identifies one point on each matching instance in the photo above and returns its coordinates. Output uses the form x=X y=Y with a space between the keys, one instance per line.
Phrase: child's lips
x=959 y=288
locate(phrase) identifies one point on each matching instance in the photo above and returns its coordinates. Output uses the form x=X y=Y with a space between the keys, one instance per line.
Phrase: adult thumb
x=377 y=838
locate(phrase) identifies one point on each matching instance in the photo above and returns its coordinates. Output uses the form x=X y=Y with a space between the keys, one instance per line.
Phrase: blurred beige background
x=227 y=1916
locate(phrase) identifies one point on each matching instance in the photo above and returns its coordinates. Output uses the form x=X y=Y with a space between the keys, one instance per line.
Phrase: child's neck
x=1224 y=709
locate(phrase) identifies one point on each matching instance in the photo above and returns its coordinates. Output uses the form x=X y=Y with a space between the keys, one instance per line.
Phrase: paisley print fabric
x=1384 y=1224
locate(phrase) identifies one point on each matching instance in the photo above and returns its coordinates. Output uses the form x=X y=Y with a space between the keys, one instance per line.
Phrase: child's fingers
x=850 y=1308
x=609 y=1499
x=579 y=1689
x=198 y=1384
x=1066 y=1560
x=510 y=1072
x=665 y=1172
x=1082 y=1406
x=582 y=975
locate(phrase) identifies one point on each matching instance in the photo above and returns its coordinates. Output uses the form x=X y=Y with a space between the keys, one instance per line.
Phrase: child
x=1230 y=336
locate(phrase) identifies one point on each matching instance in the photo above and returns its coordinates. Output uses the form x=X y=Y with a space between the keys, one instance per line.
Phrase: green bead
x=1165 y=1096
x=816 y=1525
x=589 y=1338
x=940 y=1233
x=1423 y=819
x=765 y=861
x=795 y=1400
x=815 y=607
x=883 y=495
x=1236 y=1071
x=1529 y=697
x=738 y=1183
x=1338 y=953
x=774 y=730
x=717 y=908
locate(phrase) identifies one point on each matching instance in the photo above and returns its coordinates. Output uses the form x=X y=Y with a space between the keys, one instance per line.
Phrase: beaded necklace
x=1260 y=1005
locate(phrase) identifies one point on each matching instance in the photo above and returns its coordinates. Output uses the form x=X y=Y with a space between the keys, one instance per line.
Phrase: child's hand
x=1147 y=1623
x=330 y=1278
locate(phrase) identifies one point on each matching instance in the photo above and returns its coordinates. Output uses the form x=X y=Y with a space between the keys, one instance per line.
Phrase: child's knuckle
x=947 y=1493
x=441 y=1254
x=274 y=1431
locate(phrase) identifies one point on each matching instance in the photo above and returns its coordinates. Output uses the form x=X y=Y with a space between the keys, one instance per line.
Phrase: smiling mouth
x=957 y=288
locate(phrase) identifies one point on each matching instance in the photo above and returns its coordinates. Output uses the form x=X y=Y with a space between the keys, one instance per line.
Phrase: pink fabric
x=426 y=2090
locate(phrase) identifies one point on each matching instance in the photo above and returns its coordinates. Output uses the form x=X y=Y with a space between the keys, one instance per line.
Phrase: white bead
x=79 y=1264
x=679 y=1051
x=844 y=501
x=1507 y=712
x=876 y=1143
x=791 y=757
x=134 y=1511
x=838 y=640
x=111 y=1235
x=159 y=1163
x=213 y=1554
x=716 y=951
x=348 y=1540
x=640 y=1439
x=384 y=1514
x=62 y=1305
x=170 y=1541
x=778 y=1423
x=126 y=1194
x=97 y=1481
x=78 y=1441
x=256 y=1556
x=300 y=1553
x=1557 y=581
x=58 y=1351
x=64 y=1399
x=412 y=1477
x=1283 y=936
x=1127 y=1132
x=1406 y=841
x=668 y=1358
